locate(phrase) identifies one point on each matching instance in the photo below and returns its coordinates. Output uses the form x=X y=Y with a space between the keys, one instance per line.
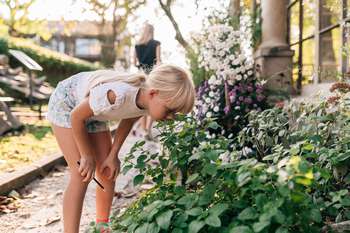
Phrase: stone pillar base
x=275 y=64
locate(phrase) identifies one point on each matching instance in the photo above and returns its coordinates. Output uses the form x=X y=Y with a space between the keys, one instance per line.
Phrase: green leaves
x=213 y=220
x=209 y=169
x=248 y=214
x=315 y=215
x=163 y=220
x=195 y=226
x=195 y=211
x=259 y=226
x=188 y=200
x=141 y=162
x=218 y=209
x=192 y=178
x=243 y=178
x=148 y=227
x=279 y=179
x=213 y=125
x=241 y=229
x=138 y=179
x=207 y=194
x=153 y=228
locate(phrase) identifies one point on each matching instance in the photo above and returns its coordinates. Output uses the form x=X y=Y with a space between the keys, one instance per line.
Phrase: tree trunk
x=234 y=9
x=179 y=37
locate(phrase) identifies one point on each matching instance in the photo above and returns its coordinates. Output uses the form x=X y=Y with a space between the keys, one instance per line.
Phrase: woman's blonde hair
x=174 y=84
x=147 y=34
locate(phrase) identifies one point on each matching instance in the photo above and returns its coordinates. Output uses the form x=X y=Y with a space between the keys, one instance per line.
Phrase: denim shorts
x=62 y=102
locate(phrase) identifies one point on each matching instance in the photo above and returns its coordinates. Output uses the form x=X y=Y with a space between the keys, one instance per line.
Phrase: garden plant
x=237 y=166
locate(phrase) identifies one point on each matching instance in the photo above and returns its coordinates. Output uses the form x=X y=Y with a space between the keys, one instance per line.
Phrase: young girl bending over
x=78 y=110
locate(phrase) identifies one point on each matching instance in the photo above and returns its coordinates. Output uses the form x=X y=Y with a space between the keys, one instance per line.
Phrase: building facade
x=318 y=32
x=84 y=40
x=303 y=42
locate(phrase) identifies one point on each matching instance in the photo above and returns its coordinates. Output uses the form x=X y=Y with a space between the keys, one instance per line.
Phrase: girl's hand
x=87 y=168
x=112 y=164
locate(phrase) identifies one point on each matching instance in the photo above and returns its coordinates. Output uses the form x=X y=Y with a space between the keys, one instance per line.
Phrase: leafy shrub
x=295 y=180
x=57 y=66
x=218 y=191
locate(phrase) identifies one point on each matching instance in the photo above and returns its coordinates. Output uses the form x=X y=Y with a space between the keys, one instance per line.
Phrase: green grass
x=33 y=143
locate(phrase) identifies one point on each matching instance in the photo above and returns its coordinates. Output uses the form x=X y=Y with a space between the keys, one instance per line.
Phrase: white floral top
x=69 y=93
x=123 y=107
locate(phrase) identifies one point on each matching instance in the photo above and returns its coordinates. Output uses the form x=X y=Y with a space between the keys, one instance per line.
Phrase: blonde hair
x=174 y=84
x=147 y=34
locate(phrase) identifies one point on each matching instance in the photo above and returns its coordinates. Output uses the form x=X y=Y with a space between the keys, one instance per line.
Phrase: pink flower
x=279 y=104
x=248 y=100
x=260 y=98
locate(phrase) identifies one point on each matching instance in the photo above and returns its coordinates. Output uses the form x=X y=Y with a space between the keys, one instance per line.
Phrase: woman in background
x=146 y=56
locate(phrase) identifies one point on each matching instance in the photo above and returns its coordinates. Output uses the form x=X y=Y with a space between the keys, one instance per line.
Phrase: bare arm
x=87 y=157
x=112 y=162
x=121 y=133
x=78 y=117
x=158 y=61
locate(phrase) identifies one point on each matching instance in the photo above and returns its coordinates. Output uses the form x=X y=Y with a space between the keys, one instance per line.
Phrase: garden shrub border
x=57 y=66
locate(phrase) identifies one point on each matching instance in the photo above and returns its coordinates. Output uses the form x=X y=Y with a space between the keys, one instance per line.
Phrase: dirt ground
x=40 y=202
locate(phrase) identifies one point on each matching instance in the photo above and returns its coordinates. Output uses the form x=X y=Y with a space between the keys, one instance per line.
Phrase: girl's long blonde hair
x=174 y=84
x=147 y=34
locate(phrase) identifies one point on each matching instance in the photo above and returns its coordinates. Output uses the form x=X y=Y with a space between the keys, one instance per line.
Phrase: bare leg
x=103 y=144
x=74 y=194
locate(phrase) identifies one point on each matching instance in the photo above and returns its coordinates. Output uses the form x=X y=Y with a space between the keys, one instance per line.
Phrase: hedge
x=57 y=66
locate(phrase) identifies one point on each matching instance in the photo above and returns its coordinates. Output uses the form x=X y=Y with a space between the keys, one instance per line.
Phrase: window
x=294 y=25
x=87 y=47
x=55 y=44
x=295 y=62
x=330 y=12
x=324 y=36
x=309 y=18
x=330 y=50
x=308 y=60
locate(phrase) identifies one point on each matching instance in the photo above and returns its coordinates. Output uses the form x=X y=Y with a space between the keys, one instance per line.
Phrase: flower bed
x=291 y=175
x=232 y=89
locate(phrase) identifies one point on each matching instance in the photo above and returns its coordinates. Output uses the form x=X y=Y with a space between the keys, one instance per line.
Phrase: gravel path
x=40 y=208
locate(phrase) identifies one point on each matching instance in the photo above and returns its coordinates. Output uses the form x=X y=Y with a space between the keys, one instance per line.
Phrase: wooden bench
x=11 y=122
x=6 y=99
x=36 y=90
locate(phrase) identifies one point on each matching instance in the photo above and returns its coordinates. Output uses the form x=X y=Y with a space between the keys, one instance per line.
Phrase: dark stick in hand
x=95 y=180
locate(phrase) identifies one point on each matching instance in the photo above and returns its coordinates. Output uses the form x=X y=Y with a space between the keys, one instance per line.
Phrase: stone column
x=273 y=58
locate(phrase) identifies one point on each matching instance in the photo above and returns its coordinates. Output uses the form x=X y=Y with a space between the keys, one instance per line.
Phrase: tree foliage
x=18 y=23
x=121 y=13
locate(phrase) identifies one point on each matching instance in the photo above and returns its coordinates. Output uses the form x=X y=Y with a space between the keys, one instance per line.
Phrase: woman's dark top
x=146 y=54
